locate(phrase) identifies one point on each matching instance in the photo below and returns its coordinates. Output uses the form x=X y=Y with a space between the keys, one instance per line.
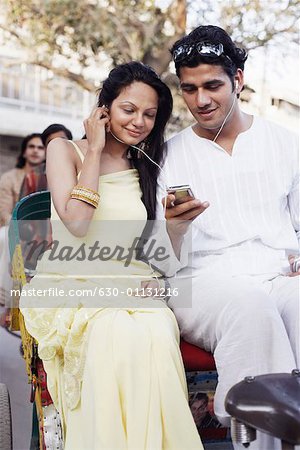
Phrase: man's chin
x=205 y=126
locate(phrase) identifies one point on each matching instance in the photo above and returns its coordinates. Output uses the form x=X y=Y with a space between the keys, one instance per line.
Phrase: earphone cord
x=165 y=201
x=144 y=153
x=224 y=121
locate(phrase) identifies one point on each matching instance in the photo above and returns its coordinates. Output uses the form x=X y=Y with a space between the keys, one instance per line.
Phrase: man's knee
x=239 y=297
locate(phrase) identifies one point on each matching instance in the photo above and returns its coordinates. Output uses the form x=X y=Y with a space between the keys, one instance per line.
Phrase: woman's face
x=133 y=113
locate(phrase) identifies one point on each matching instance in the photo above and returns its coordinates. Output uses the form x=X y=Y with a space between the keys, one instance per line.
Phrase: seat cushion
x=195 y=358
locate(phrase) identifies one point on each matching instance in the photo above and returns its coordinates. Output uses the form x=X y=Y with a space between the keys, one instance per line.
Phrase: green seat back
x=36 y=206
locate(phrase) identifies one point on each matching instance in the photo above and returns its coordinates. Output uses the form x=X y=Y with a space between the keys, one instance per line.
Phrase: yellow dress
x=113 y=363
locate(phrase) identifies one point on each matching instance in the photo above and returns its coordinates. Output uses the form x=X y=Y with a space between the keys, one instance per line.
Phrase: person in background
x=13 y=372
x=31 y=156
x=55 y=130
x=35 y=180
x=202 y=416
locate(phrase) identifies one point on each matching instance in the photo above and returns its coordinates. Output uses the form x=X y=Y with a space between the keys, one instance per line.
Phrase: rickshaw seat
x=195 y=358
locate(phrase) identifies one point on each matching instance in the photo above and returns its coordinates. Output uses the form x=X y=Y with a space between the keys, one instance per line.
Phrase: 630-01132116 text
x=98 y=291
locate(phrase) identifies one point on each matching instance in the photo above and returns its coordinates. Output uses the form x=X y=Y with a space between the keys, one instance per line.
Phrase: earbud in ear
x=236 y=85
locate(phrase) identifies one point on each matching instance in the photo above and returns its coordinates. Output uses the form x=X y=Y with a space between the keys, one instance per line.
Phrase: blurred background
x=55 y=53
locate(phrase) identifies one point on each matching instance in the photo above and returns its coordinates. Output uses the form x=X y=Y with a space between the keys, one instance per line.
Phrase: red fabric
x=217 y=434
x=195 y=358
x=34 y=181
x=42 y=377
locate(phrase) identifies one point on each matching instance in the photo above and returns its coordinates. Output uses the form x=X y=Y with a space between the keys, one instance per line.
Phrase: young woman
x=113 y=363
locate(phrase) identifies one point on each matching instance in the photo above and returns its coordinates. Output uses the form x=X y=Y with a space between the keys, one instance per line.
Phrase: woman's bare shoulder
x=64 y=149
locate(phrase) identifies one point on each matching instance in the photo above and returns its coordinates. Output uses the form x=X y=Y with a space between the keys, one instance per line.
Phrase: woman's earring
x=139 y=154
x=143 y=147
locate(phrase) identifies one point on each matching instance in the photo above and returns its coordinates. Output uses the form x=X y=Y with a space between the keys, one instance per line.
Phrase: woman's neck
x=115 y=148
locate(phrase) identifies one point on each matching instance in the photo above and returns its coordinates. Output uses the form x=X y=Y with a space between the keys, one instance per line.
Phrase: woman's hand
x=95 y=129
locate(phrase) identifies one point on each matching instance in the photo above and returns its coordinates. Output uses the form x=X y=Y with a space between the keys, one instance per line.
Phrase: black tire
x=5 y=419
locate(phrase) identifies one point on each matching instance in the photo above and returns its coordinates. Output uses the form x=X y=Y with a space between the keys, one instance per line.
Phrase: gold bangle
x=86 y=195
x=78 y=186
x=85 y=200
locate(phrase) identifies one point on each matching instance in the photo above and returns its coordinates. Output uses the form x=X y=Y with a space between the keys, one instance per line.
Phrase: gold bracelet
x=78 y=186
x=86 y=192
x=86 y=195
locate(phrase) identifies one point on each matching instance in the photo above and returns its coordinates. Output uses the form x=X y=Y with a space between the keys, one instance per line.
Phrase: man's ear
x=238 y=81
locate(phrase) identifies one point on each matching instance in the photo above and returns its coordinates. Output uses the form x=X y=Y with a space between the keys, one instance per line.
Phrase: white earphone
x=236 y=86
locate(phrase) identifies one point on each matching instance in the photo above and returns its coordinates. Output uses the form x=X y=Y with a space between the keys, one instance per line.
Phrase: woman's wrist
x=94 y=150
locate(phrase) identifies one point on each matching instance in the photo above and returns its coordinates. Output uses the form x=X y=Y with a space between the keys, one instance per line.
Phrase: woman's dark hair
x=55 y=128
x=119 y=78
x=21 y=161
x=233 y=58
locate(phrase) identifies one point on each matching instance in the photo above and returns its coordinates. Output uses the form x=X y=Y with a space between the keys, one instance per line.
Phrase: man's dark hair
x=233 y=58
x=55 y=128
x=199 y=396
x=21 y=161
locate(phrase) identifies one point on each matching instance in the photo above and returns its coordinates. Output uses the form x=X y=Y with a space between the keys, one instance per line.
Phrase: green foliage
x=257 y=22
x=83 y=33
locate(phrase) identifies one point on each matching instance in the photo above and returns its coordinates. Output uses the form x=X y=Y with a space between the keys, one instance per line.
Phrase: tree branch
x=12 y=32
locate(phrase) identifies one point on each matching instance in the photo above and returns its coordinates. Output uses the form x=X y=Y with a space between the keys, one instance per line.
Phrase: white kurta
x=253 y=196
x=243 y=308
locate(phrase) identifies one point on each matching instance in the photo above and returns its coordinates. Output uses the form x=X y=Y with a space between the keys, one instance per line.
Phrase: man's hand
x=294 y=265
x=151 y=288
x=188 y=209
x=179 y=217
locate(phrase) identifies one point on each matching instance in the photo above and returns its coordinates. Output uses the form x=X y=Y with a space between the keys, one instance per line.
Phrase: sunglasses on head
x=186 y=51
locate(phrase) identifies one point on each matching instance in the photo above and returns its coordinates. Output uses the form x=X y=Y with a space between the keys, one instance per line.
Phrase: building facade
x=31 y=98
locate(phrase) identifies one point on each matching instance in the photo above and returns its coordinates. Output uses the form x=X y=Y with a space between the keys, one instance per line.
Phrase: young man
x=32 y=154
x=245 y=299
x=36 y=179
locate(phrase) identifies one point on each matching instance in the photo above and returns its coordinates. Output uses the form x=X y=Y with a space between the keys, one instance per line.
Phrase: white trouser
x=249 y=323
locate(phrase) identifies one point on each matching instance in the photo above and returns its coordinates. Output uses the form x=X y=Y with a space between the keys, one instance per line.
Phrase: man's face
x=35 y=152
x=199 y=409
x=208 y=93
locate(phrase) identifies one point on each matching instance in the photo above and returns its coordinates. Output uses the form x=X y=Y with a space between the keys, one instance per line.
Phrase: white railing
x=31 y=88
